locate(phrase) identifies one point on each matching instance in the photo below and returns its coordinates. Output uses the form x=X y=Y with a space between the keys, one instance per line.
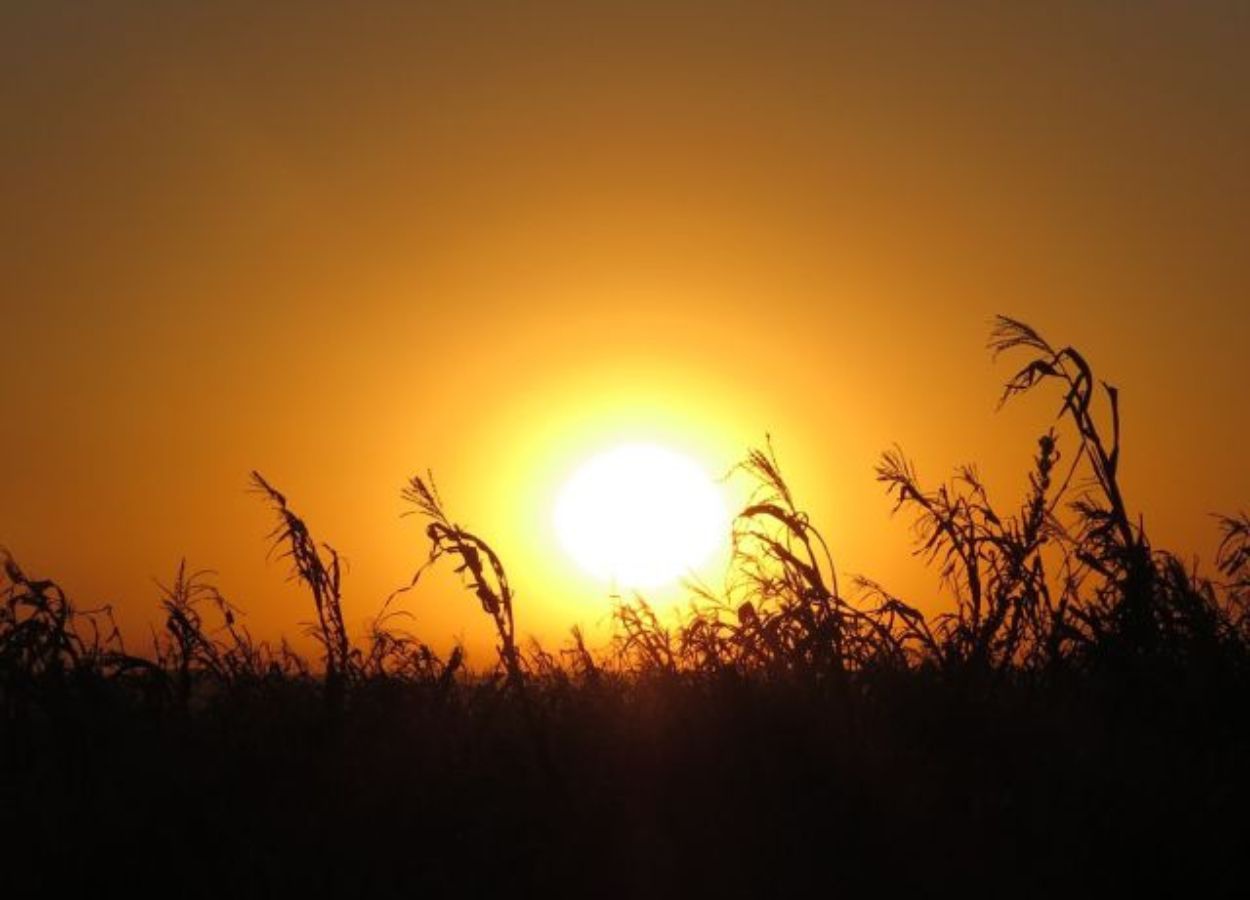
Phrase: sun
x=640 y=516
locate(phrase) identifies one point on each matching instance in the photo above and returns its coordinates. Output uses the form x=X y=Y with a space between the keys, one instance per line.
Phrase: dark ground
x=663 y=786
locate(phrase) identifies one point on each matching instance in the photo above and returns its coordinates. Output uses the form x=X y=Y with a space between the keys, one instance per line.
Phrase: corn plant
x=190 y=650
x=1142 y=603
x=479 y=565
x=640 y=642
x=1233 y=560
x=396 y=653
x=319 y=568
x=783 y=608
x=43 y=636
x=994 y=565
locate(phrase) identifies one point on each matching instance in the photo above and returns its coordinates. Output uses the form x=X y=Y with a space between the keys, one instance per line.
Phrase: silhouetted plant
x=190 y=651
x=397 y=653
x=581 y=660
x=323 y=576
x=43 y=636
x=782 y=610
x=1005 y=610
x=1143 y=603
x=478 y=564
x=1233 y=561
x=640 y=642
x=544 y=665
x=1108 y=542
x=1233 y=555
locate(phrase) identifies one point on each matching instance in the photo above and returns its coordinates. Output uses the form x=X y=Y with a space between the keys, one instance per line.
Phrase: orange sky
x=344 y=243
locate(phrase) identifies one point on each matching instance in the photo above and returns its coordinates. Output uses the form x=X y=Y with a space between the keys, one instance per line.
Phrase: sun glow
x=640 y=516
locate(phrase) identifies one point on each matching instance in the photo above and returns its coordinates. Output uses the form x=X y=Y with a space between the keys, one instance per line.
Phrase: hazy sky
x=342 y=243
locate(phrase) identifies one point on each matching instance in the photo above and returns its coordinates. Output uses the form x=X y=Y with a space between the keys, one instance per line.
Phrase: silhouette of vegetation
x=1073 y=716
x=478 y=563
x=192 y=654
x=322 y=573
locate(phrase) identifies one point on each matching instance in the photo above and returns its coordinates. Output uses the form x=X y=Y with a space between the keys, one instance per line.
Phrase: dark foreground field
x=1077 y=722
x=660 y=786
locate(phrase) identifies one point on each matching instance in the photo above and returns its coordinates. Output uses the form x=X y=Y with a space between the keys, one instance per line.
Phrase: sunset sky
x=344 y=243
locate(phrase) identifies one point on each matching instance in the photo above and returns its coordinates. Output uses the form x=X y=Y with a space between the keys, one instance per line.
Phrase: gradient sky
x=342 y=243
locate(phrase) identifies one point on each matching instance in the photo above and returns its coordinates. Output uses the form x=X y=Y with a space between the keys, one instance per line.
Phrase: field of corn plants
x=1076 y=720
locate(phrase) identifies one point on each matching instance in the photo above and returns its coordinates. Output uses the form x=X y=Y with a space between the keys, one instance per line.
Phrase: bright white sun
x=640 y=516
